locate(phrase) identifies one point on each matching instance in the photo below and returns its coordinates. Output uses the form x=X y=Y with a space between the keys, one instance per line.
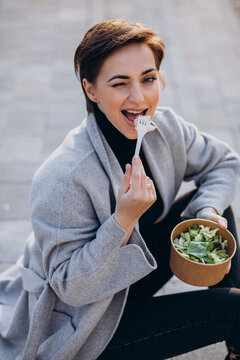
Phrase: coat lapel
x=158 y=156
x=105 y=154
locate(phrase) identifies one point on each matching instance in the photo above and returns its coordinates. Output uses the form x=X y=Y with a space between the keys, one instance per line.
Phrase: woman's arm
x=83 y=260
x=214 y=167
x=209 y=162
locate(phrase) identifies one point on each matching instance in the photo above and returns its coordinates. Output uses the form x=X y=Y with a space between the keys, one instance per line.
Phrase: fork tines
x=142 y=120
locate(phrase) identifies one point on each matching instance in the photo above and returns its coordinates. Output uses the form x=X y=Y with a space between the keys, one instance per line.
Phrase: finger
x=154 y=195
x=142 y=172
x=151 y=188
x=136 y=173
x=229 y=267
x=142 y=168
x=221 y=221
x=143 y=178
x=149 y=183
x=126 y=179
x=211 y=214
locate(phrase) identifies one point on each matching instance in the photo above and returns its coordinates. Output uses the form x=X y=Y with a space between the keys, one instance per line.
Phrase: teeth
x=134 y=112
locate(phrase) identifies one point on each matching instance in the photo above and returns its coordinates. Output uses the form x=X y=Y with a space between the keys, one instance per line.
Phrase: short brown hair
x=105 y=37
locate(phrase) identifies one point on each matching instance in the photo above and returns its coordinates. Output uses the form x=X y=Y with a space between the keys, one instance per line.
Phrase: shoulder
x=61 y=166
x=166 y=118
x=173 y=127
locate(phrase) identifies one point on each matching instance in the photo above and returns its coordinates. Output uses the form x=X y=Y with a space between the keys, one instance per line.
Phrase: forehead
x=132 y=58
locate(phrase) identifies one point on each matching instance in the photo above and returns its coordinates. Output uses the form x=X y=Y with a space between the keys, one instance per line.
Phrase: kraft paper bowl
x=194 y=273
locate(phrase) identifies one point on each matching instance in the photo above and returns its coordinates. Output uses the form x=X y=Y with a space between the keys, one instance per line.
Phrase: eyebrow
x=127 y=77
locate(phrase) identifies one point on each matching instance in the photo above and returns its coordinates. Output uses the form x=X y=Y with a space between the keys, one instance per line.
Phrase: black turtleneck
x=124 y=149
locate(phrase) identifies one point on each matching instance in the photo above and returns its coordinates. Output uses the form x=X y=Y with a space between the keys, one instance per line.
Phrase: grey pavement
x=41 y=100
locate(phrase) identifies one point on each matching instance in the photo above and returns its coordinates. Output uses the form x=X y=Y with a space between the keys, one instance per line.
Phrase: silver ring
x=149 y=186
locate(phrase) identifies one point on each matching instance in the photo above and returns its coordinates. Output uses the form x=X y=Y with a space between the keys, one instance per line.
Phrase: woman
x=101 y=222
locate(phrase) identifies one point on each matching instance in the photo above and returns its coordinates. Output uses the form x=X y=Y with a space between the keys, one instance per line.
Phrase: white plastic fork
x=142 y=125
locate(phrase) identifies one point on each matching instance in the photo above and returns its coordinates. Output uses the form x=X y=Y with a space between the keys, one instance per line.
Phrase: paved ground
x=40 y=99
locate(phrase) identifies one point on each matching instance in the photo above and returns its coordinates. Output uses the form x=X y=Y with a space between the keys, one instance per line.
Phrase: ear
x=89 y=89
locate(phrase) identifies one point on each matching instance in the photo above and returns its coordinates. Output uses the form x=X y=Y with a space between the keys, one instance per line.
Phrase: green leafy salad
x=202 y=244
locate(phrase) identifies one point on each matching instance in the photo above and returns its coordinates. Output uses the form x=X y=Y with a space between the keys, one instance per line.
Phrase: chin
x=130 y=135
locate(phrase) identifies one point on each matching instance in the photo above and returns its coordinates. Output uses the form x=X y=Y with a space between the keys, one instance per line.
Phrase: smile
x=131 y=115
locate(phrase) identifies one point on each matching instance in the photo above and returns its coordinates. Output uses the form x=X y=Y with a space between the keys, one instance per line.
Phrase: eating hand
x=136 y=194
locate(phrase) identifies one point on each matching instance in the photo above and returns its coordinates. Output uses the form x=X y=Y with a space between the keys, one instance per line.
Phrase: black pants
x=157 y=328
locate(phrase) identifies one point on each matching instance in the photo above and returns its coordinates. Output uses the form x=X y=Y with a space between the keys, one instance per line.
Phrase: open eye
x=150 y=79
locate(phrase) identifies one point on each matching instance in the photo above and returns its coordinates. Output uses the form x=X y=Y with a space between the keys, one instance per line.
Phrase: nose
x=136 y=94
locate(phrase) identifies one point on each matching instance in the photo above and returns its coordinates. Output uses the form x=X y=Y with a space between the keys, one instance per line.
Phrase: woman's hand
x=210 y=213
x=135 y=198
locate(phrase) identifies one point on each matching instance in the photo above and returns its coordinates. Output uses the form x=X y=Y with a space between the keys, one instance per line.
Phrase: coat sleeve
x=213 y=166
x=83 y=260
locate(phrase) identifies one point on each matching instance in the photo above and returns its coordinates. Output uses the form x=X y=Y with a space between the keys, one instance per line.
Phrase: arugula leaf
x=202 y=244
x=198 y=248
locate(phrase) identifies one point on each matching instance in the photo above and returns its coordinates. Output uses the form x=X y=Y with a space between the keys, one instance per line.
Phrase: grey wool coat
x=64 y=298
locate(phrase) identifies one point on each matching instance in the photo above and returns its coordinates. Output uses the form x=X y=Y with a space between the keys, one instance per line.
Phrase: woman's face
x=127 y=86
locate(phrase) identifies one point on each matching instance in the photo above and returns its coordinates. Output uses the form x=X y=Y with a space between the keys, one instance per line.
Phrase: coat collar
x=105 y=154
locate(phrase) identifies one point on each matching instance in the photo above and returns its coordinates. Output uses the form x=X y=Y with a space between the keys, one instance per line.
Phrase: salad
x=202 y=244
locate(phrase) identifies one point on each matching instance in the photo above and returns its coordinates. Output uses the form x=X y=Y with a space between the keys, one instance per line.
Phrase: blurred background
x=41 y=99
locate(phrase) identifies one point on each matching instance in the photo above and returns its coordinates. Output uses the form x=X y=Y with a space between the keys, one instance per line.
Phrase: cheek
x=152 y=100
x=116 y=100
x=155 y=94
x=109 y=108
x=103 y=101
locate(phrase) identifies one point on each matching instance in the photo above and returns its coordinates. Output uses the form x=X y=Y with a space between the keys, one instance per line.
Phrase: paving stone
x=16 y=147
x=236 y=201
x=230 y=87
x=26 y=120
x=167 y=99
x=17 y=172
x=207 y=96
x=197 y=65
x=234 y=129
x=64 y=85
x=52 y=140
x=64 y=117
x=212 y=116
x=232 y=108
x=3 y=118
x=13 y=235
x=221 y=133
x=14 y=201
x=176 y=286
x=216 y=352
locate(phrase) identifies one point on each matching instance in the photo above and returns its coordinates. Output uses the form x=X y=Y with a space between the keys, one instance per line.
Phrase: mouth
x=131 y=115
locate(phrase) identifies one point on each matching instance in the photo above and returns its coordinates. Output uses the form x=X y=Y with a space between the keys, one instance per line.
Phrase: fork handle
x=139 y=141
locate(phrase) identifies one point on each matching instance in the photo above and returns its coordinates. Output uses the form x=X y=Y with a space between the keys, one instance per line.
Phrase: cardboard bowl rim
x=195 y=262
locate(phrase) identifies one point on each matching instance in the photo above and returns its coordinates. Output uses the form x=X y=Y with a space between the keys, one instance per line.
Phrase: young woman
x=100 y=245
